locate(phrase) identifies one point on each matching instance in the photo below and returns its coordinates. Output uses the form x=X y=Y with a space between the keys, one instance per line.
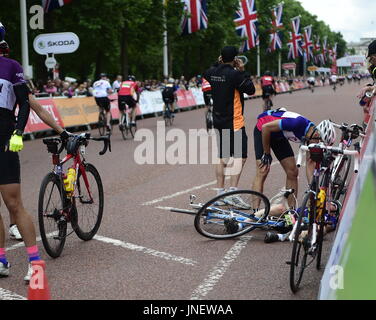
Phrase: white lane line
x=22 y=244
x=148 y=251
x=179 y=193
x=9 y=295
x=219 y=270
x=148 y=203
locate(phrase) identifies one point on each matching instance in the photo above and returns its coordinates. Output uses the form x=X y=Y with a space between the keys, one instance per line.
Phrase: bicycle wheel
x=133 y=129
x=102 y=124
x=231 y=214
x=88 y=212
x=300 y=258
x=209 y=120
x=52 y=223
x=339 y=186
x=320 y=239
x=124 y=129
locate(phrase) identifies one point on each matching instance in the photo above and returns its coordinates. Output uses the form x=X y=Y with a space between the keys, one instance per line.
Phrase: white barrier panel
x=198 y=95
x=151 y=102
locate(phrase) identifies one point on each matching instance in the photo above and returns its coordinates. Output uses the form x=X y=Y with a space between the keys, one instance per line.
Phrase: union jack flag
x=246 y=24
x=333 y=53
x=277 y=25
x=295 y=40
x=317 y=51
x=308 y=44
x=195 y=16
x=324 y=50
x=49 y=5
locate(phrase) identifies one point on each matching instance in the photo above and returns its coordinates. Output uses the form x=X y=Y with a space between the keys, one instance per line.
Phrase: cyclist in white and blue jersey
x=273 y=131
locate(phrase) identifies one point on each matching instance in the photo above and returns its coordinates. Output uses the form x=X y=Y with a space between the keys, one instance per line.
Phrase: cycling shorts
x=103 y=103
x=267 y=91
x=232 y=143
x=280 y=146
x=9 y=167
x=312 y=83
x=124 y=101
x=168 y=100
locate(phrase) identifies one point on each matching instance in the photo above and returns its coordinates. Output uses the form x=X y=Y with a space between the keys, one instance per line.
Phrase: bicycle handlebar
x=107 y=144
x=335 y=150
x=353 y=129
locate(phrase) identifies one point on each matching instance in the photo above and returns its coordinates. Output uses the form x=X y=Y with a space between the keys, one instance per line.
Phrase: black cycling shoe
x=271 y=237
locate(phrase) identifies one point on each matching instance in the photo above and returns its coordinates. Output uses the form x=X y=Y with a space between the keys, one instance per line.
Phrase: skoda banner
x=56 y=43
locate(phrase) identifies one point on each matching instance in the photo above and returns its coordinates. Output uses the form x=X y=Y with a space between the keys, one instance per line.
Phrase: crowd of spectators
x=70 y=87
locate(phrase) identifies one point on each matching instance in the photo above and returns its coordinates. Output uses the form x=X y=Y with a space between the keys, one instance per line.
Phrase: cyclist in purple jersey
x=13 y=92
x=273 y=131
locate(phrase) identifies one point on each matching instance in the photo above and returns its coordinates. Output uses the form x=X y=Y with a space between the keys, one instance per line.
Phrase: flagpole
x=24 y=38
x=165 y=42
x=258 y=61
x=279 y=64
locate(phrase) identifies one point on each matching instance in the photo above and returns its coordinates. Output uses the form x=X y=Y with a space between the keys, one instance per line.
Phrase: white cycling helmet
x=327 y=132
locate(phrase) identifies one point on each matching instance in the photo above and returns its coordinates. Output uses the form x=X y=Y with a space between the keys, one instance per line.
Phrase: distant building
x=361 y=47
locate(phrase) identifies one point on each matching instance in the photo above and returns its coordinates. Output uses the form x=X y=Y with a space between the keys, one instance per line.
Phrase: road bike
x=268 y=101
x=102 y=122
x=168 y=115
x=75 y=196
x=209 y=116
x=223 y=217
x=314 y=212
x=125 y=126
x=342 y=163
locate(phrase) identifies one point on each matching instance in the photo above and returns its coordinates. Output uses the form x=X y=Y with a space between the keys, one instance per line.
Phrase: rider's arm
x=22 y=91
x=44 y=115
x=244 y=83
x=267 y=130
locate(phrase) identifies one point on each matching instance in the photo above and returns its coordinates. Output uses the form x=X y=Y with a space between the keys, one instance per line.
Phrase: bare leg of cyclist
x=288 y=164
x=2 y=233
x=108 y=119
x=220 y=174
x=259 y=180
x=12 y=198
x=133 y=114
x=235 y=171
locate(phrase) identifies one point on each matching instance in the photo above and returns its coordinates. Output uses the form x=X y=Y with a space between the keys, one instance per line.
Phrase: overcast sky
x=355 y=19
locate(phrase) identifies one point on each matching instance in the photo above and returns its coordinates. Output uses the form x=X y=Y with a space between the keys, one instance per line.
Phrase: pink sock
x=33 y=253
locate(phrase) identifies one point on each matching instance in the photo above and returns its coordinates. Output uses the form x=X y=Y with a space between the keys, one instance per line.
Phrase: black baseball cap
x=229 y=53
x=372 y=48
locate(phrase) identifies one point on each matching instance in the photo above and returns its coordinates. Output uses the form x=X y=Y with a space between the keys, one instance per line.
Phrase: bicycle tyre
x=124 y=131
x=341 y=189
x=102 y=124
x=133 y=129
x=320 y=240
x=216 y=228
x=209 y=120
x=298 y=247
x=79 y=214
x=53 y=245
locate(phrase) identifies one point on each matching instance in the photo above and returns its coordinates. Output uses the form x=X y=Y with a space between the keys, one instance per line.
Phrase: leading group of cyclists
x=224 y=83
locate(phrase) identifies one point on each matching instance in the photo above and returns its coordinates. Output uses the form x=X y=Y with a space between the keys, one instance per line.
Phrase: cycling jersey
x=311 y=79
x=11 y=76
x=333 y=79
x=228 y=86
x=267 y=81
x=293 y=126
x=128 y=88
x=100 y=88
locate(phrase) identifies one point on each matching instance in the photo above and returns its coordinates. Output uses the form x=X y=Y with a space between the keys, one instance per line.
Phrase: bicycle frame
x=78 y=165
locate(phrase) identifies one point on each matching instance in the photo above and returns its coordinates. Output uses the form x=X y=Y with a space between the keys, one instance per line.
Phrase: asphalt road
x=142 y=250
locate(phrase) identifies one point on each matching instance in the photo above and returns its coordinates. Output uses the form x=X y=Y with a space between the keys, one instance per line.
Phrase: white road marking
x=22 y=244
x=179 y=193
x=9 y=295
x=219 y=270
x=148 y=251
x=148 y=203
